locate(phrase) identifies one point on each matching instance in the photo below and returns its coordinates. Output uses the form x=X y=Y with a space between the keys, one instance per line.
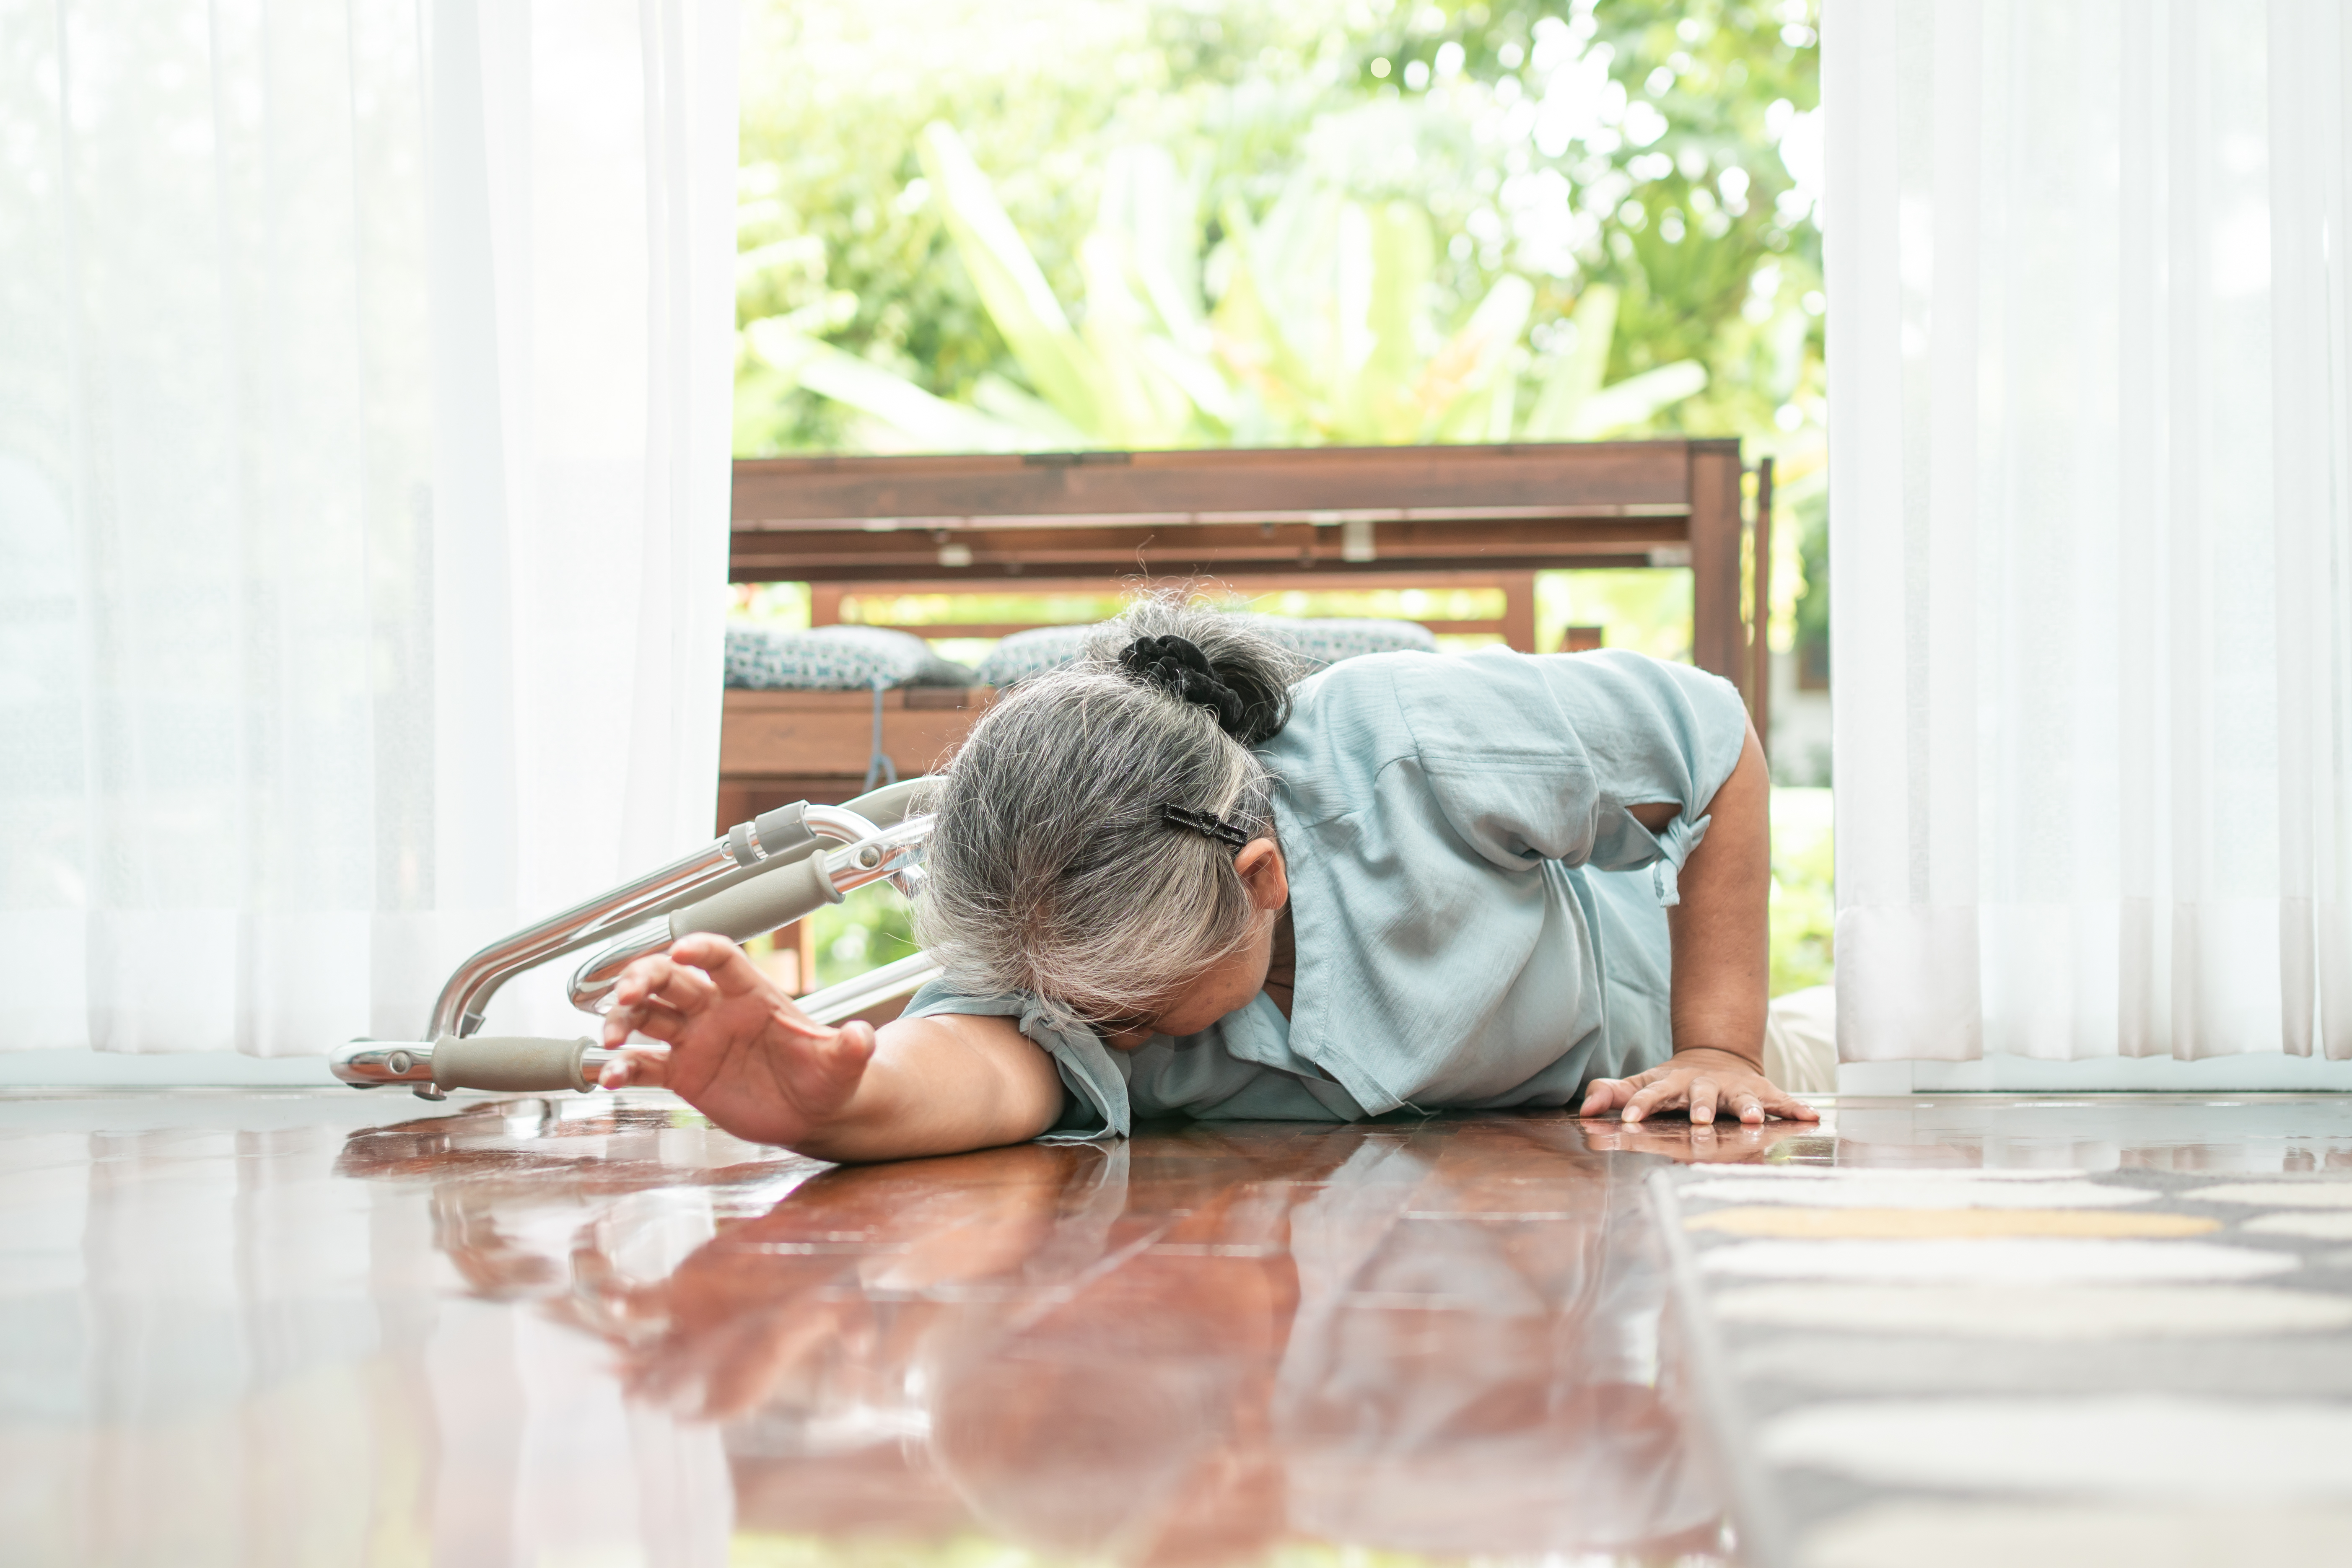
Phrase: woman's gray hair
x=1054 y=868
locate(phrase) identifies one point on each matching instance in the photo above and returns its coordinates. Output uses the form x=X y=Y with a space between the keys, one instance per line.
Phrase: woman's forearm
x=1721 y=967
x=942 y=1085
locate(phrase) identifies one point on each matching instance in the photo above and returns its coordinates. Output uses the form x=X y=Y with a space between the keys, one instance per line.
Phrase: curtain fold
x=363 y=479
x=2089 y=519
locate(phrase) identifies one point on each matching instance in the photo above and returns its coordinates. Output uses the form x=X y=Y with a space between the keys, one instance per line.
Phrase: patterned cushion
x=1326 y=642
x=1320 y=641
x=834 y=659
x=1025 y=654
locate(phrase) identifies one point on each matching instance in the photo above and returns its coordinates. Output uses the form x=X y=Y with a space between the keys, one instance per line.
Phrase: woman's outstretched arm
x=744 y=1056
x=1721 y=966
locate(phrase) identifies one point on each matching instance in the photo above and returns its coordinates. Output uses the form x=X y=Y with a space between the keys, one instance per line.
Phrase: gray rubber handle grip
x=755 y=907
x=512 y=1062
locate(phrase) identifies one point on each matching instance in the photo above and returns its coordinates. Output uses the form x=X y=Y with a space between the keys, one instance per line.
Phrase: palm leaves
x=1320 y=335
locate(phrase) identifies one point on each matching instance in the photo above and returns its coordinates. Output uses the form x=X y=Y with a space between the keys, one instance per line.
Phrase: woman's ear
x=1260 y=867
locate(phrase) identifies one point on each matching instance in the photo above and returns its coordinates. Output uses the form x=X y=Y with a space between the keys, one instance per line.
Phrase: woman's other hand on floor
x=740 y=1051
x=1705 y=1082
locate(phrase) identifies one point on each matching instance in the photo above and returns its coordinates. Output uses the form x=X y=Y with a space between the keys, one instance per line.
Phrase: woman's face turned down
x=1227 y=985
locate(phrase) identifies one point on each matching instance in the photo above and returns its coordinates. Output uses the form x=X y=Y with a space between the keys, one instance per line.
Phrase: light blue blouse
x=1479 y=919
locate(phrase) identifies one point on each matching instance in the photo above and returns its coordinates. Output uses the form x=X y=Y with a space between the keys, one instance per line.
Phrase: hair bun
x=1219 y=661
x=1177 y=665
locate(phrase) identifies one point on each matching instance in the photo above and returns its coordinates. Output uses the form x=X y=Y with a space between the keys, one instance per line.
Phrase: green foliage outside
x=1804 y=890
x=1811 y=611
x=869 y=929
x=1029 y=224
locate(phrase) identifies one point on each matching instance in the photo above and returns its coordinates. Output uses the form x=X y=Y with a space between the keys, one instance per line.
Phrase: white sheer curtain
x=2091 y=526
x=364 y=381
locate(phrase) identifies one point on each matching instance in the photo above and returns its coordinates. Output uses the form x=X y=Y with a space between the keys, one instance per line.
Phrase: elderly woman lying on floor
x=1174 y=879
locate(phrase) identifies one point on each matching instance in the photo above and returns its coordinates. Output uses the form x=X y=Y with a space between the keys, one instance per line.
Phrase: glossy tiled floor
x=324 y=1328
x=318 y=1327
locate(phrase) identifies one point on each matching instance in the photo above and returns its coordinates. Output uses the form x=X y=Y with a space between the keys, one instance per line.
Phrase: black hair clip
x=1216 y=827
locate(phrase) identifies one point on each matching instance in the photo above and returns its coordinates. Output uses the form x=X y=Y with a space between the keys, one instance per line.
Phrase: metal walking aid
x=763 y=874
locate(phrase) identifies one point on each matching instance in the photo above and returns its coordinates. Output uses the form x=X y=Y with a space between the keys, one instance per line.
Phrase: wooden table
x=1380 y=517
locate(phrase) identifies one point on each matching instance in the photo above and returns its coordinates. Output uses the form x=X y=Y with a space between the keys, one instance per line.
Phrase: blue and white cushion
x=1318 y=640
x=834 y=659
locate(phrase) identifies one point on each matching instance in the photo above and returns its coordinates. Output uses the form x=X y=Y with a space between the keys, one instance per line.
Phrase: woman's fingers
x=660 y=976
x=718 y=963
x=656 y=995
x=1710 y=1094
x=1778 y=1101
x=840 y=1062
x=636 y=1070
x=639 y=983
x=1606 y=1094
x=657 y=1022
x=1664 y=1094
x=731 y=976
x=686 y=988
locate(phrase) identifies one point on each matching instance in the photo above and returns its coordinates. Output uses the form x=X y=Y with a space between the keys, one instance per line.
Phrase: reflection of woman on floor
x=1349 y=1336
x=1166 y=880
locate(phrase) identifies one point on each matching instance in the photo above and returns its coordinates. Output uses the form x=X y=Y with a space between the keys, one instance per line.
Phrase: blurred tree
x=1163 y=224
x=1803 y=909
x=1813 y=605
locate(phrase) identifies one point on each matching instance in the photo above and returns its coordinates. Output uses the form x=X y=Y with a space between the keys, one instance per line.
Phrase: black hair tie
x=1178 y=667
x=1208 y=823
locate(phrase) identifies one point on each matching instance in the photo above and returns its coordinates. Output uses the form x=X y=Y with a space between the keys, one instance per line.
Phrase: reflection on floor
x=247 y=1328
x=313 y=1328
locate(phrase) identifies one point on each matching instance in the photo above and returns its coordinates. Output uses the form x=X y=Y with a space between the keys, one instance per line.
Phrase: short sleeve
x=1537 y=757
x=1094 y=1078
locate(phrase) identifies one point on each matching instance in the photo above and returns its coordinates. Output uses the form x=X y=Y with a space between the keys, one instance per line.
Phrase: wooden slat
x=1250 y=483
x=816 y=733
x=1715 y=529
x=1374 y=577
x=1520 y=611
x=836 y=554
x=1448 y=516
x=1113 y=570
x=1426 y=534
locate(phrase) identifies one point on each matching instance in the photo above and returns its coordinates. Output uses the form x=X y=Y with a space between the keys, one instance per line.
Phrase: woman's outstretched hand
x=1704 y=1081
x=740 y=1051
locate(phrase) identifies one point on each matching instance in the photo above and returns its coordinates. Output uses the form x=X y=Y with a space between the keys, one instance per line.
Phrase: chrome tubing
x=591 y=984
x=893 y=803
x=553 y=1066
x=372 y=1064
x=838 y=822
x=518 y=1066
x=895 y=856
x=775 y=839
x=459 y=1009
x=836 y=1002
